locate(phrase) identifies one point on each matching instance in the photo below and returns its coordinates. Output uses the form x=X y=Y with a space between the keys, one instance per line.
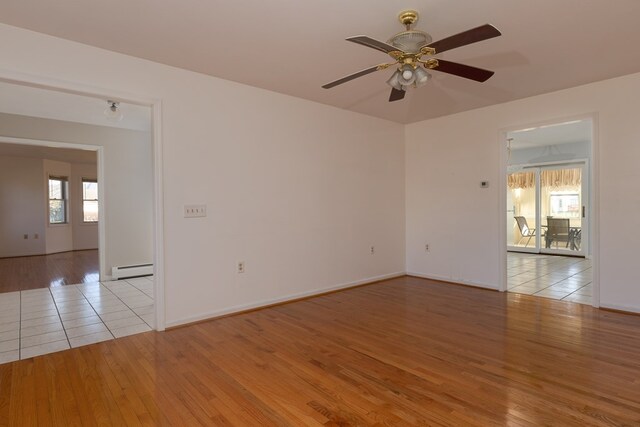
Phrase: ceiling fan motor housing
x=410 y=41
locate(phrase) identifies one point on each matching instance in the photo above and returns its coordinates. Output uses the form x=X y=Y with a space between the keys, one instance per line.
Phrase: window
x=89 y=200
x=565 y=205
x=57 y=200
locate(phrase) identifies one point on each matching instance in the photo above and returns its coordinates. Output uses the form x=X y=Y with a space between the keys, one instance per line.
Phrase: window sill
x=59 y=224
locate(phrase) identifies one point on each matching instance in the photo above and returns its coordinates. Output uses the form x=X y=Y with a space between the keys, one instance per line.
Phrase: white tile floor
x=549 y=276
x=47 y=320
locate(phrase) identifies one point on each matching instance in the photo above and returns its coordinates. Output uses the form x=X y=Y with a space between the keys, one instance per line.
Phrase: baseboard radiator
x=127 y=271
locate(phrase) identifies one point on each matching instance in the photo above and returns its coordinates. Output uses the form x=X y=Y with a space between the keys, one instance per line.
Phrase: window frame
x=64 y=198
x=82 y=199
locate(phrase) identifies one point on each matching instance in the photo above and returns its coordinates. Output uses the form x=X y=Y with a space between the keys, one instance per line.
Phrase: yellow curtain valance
x=548 y=178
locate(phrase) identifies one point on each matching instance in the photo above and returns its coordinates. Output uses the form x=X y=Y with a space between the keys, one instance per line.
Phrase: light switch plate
x=195 y=211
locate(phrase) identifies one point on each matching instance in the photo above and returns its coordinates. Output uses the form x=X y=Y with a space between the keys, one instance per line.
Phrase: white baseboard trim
x=459 y=281
x=264 y=303
x=628 y=308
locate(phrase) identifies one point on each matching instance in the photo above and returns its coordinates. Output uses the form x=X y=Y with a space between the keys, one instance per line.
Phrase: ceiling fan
x=413 y=51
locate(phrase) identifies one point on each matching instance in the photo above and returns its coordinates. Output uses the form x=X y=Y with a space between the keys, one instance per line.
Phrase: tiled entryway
x=550 y=276
x=41 y=321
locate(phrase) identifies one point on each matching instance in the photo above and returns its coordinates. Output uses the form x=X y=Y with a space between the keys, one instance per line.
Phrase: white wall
x=85 y=234
x=551 y=153
x=446 y=158
x=128 y=199
x=297 y=190
x=22 y=207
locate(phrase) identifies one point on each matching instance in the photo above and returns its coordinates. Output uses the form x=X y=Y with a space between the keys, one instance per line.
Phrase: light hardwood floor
x=43 y=271
x=405 y=351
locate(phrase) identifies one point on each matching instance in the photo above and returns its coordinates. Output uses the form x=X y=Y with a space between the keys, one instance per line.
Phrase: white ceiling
x=48 y=104
x=294 y=47
x=552 y=134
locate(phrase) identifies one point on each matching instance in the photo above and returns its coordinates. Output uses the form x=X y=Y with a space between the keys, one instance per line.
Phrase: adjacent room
x=62 y=245
x=343 y=213
x=548 y=211
x=50 y=222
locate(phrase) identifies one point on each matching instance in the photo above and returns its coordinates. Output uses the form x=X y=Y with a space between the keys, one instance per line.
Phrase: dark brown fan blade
x=396 y=95
x=374 y=44
x=351 y=77
x=474 y=35
x=466 y=71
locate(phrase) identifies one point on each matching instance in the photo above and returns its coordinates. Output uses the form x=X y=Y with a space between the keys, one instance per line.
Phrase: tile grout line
x=88 y=302
x=588 y=296
x=55 y=303
x=126 y=305
x=95 y=311
x=134 y=312
x=135 y=285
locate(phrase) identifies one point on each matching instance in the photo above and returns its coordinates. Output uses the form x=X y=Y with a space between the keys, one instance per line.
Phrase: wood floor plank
x=44 y=271
x=404 y=352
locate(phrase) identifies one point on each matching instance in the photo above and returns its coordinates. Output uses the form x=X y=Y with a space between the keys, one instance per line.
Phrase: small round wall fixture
x=113 y=112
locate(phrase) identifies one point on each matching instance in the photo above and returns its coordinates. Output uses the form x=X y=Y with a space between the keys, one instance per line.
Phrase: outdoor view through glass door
x=546 y=207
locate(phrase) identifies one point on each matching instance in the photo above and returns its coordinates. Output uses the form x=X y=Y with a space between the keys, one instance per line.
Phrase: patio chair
x=525 y=231
x=558 y=230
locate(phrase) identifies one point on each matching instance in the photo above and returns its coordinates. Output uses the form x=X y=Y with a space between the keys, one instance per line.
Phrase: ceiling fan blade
x=461 y=70
x=352 y=76
x=464 y=38
x=374 y=44
x=396 y=95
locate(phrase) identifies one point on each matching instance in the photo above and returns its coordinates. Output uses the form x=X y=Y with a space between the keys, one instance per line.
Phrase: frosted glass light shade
x=113 y=112
x=422 y=77
x=407 y=70
x=394 y=80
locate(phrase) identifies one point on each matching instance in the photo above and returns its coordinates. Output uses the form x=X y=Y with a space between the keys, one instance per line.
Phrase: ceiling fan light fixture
x=422 y=77
x=407 y=75
x=412 y=52
x=113 y=112
x=394 y=80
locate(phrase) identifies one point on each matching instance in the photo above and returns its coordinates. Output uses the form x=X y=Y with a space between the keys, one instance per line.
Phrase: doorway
x=547 y=195
x=44 y=320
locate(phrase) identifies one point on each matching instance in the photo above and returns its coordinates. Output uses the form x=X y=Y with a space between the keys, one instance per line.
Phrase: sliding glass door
x=563 y=201
x=522 y=207
x=547 y=209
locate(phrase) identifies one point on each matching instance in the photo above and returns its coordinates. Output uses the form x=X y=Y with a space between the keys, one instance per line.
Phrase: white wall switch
x=195 y=211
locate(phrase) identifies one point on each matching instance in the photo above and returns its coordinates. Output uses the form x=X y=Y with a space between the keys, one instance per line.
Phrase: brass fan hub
x=408 y=17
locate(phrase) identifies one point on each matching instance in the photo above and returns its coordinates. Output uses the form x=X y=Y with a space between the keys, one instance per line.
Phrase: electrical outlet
x=240 y=267
x=195 y=211
x=426 y=248
x=372 y=250
x=36 y=236
x=26 y=236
